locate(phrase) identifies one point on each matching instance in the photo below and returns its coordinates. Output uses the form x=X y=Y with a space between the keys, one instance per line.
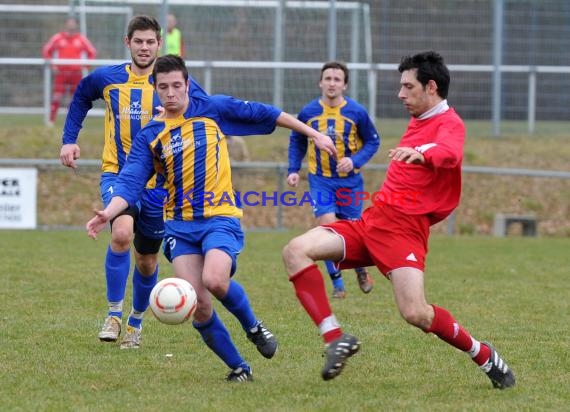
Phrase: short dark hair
x=169 y=63
x=430 y=66
x=336 y=65
x=143 y=23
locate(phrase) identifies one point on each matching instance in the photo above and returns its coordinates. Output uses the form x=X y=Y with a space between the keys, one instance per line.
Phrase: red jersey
x=432 y=188
x=64 y=45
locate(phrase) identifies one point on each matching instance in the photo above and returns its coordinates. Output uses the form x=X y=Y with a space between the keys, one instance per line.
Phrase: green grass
x=547 y=148
x=67 y=199
x=511 y=291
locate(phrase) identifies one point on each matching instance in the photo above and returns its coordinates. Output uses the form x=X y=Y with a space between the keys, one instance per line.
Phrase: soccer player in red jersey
x=393 y=233
x=67 y=44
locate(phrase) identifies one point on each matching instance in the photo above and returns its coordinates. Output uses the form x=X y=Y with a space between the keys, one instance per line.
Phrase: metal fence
x=267 y=179
x=509 y=58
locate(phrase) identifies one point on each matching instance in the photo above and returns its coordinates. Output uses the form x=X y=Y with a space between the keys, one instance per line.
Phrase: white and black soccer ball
x=173 y=301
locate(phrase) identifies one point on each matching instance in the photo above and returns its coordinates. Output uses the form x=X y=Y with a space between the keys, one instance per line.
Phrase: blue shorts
x=197 y=237
x=148 y=212
x=337 y=195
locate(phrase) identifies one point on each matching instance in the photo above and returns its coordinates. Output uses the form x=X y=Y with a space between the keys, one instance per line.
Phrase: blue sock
x=335 y=274
x=117 y=268
x=217 y=338
x=237 y=303
x=142 y=286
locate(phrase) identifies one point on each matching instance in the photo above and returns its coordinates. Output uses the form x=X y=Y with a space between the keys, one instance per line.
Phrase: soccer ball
x=173 y=301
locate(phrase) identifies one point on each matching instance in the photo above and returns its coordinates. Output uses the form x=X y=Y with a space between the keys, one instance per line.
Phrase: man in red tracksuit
x=67 y=44
x=422 y=187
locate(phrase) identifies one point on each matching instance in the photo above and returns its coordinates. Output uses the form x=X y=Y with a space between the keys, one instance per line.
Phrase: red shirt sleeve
x=447 y=148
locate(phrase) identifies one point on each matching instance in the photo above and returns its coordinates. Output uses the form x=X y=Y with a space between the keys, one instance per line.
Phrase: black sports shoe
x=264 y=340
x=499 y=372
x=337 y=353
x=240 y=375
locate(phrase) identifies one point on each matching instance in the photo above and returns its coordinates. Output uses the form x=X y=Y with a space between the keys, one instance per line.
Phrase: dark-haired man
x=422 y=187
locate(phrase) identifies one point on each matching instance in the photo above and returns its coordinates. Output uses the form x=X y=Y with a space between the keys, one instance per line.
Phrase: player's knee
x=146 y=264
x=416 y=316
x=121 y=237
x=216 y=285
x=293 y=250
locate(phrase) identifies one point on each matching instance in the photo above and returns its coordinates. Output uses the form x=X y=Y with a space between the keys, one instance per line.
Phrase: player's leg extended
x=223 y=244
x=408 y=285
x=211 y=328
x=299 y=256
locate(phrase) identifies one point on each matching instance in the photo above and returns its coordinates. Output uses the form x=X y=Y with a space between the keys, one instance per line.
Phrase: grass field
x=511 y=291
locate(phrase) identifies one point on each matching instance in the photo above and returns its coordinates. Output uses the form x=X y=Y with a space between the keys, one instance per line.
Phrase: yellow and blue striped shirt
x=191 y=153
x=347 y=124
x=130 y=103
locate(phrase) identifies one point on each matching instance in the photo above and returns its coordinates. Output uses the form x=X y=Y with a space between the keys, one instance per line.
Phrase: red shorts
x=383 y=237
x=67 y=78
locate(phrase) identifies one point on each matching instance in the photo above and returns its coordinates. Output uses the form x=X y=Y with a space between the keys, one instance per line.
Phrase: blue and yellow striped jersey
x=348 y=125
x=191 y=153
x=130 y=103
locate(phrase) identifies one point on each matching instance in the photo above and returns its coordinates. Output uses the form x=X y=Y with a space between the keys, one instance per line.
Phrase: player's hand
x=97 y=223
x=406 y=154
x=293 y=179
x=161 y=112
x=69 y=154
x=325 y=143
x=344 y=165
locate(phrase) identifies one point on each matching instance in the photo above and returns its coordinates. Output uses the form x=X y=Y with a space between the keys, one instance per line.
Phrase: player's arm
x=323 y=142
x=242 y=118
x=447 y=150
x=86 y=93
x=102 y=217
x=298 y=144
x=90 y=50
x=370 y=138
x=406 y=154
x=128 y=188
x=49 y=47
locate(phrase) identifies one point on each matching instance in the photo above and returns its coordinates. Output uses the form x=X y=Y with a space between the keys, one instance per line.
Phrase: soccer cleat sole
x=344 y=351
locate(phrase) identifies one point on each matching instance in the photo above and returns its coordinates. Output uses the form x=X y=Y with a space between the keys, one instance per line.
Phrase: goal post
x=358 y=22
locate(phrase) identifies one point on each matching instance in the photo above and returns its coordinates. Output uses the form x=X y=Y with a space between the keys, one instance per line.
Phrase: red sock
x=483 y=356
x=310 y=290
x=448 y=330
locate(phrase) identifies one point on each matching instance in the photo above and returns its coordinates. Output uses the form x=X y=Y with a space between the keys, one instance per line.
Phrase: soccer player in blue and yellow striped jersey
x=335 y=184
x=203 y=235
x=130 y=102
